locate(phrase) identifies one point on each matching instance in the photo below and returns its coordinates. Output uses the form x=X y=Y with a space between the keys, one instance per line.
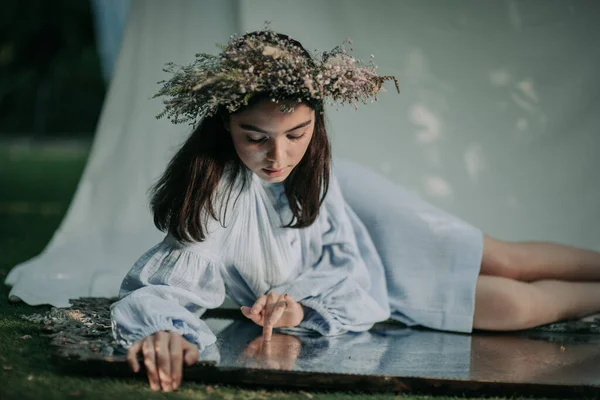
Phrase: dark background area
x=51 y=83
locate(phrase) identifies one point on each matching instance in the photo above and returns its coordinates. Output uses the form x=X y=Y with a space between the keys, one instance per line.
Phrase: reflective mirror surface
x=557 y=360
x=387 y=350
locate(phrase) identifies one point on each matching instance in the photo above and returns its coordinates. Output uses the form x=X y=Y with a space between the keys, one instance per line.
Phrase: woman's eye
x=296 y=137
x=255 y=140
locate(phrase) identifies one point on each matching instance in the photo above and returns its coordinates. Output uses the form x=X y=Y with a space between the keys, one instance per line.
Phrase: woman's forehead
x=268 y=114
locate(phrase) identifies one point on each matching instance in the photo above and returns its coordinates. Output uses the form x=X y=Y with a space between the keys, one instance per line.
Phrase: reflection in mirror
x=389 y=350
x=560 y=359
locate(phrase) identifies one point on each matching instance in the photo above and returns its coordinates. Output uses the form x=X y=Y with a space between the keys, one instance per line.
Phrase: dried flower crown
x=265 y=63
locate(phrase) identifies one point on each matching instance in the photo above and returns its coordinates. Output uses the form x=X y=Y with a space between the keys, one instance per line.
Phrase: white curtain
x=498 y=121
x=109 y=21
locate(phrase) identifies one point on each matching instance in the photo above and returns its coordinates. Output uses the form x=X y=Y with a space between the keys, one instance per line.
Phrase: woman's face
x=271 y=143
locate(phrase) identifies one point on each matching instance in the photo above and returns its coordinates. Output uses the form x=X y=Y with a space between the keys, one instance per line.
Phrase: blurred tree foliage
x=50 y=75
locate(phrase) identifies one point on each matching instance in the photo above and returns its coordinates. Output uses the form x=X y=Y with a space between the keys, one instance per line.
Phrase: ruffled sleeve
x=341 y=293
x=168 y=289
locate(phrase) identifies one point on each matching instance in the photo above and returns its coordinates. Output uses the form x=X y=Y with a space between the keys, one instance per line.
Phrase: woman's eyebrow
x=249 y=127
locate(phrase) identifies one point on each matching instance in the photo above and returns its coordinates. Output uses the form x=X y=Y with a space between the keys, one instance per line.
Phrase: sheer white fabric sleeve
x=172 y=284
x=168 y=289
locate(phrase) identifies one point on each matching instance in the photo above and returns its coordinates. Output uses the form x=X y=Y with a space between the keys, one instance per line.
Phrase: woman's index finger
x=279 y=308
x=267 y=332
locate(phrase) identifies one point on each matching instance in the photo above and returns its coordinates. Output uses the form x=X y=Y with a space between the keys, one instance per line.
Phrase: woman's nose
x=276 y=153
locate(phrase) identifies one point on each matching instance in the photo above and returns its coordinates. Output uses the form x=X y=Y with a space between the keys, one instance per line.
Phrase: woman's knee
x=501 y=259
x=503 y=304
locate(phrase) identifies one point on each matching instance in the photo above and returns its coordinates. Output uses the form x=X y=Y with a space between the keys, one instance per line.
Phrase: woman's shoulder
x=221 y=214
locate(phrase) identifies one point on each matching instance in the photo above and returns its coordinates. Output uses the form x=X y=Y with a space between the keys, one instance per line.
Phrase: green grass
x=36 y=187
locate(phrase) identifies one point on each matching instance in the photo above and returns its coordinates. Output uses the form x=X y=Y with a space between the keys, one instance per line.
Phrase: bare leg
x=505 y=304
x=534 y=261
x=572 y=299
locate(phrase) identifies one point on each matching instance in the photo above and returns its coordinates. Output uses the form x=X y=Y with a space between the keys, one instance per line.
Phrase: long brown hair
x=183 y=198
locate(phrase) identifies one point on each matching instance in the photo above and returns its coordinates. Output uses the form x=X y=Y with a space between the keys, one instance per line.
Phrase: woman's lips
x=273 y=172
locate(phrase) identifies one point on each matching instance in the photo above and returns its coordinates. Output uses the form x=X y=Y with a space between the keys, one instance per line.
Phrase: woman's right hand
x=164 y=354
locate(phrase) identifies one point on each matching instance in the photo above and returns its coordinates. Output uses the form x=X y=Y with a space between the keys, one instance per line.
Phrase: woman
x=253 y=210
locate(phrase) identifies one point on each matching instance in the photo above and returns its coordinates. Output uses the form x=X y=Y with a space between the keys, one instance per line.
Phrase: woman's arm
x=168 y=289
x=162 y=299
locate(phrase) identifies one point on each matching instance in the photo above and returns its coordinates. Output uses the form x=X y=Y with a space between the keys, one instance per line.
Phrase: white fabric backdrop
x=497 y=122
x=109 y=21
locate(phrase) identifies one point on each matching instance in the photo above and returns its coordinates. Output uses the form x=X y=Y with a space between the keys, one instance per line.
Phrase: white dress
x=384 y=254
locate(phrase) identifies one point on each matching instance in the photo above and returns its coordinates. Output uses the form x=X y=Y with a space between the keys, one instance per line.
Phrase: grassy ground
x=36 y=186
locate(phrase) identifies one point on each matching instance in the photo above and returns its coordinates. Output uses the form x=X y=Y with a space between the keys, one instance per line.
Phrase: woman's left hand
x=274 y=311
